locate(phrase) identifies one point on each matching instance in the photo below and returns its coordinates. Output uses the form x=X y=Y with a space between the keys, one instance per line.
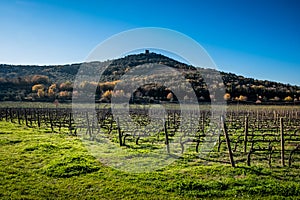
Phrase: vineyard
x=243 y=136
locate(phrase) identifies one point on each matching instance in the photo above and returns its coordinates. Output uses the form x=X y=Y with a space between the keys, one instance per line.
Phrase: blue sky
x=254 y=38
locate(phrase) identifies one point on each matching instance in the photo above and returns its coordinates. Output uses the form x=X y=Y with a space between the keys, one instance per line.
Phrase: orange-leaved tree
x=36 y=87
x=288 y=98
x=227 y=97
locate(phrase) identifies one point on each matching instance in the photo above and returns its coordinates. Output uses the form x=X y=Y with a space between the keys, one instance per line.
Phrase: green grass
x=38 y=164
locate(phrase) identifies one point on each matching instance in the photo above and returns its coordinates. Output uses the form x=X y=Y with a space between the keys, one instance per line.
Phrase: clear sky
x=254 y=38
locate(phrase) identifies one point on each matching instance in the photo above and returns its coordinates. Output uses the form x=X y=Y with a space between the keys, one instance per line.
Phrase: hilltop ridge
x=17 y=82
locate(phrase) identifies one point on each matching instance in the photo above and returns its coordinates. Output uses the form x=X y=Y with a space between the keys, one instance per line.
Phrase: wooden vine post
x=70 y=123
x=11 y=116
x=51 y=122
x=18 y=115
x=6 y=114
x=119 y=132
x=38 y=120
x=282 y=141
x=246 y=133
x=227 y=141
x=167 y=137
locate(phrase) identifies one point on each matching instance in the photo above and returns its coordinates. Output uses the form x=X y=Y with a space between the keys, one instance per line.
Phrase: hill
x=47 y=83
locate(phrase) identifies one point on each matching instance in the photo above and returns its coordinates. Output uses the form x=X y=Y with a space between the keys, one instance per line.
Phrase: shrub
x=41 y=93
x=108 y=85
x=107 y=94
x=68 y=86
x=170 y=96
x=37 y=87
x=65 y=94
x=40 y=79
x=52 y=90
x=242 y=98
x=119 y=93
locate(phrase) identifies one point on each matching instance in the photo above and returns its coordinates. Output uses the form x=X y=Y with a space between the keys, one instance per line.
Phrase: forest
x=50 y=83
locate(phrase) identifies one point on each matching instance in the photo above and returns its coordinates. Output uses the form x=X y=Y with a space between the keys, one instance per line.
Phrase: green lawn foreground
x=38 y=164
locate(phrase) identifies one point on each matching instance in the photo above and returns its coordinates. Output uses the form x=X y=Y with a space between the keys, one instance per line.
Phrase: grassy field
x=38 y=164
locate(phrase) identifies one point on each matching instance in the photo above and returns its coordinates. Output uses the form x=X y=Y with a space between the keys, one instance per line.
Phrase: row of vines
x=244 y=136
